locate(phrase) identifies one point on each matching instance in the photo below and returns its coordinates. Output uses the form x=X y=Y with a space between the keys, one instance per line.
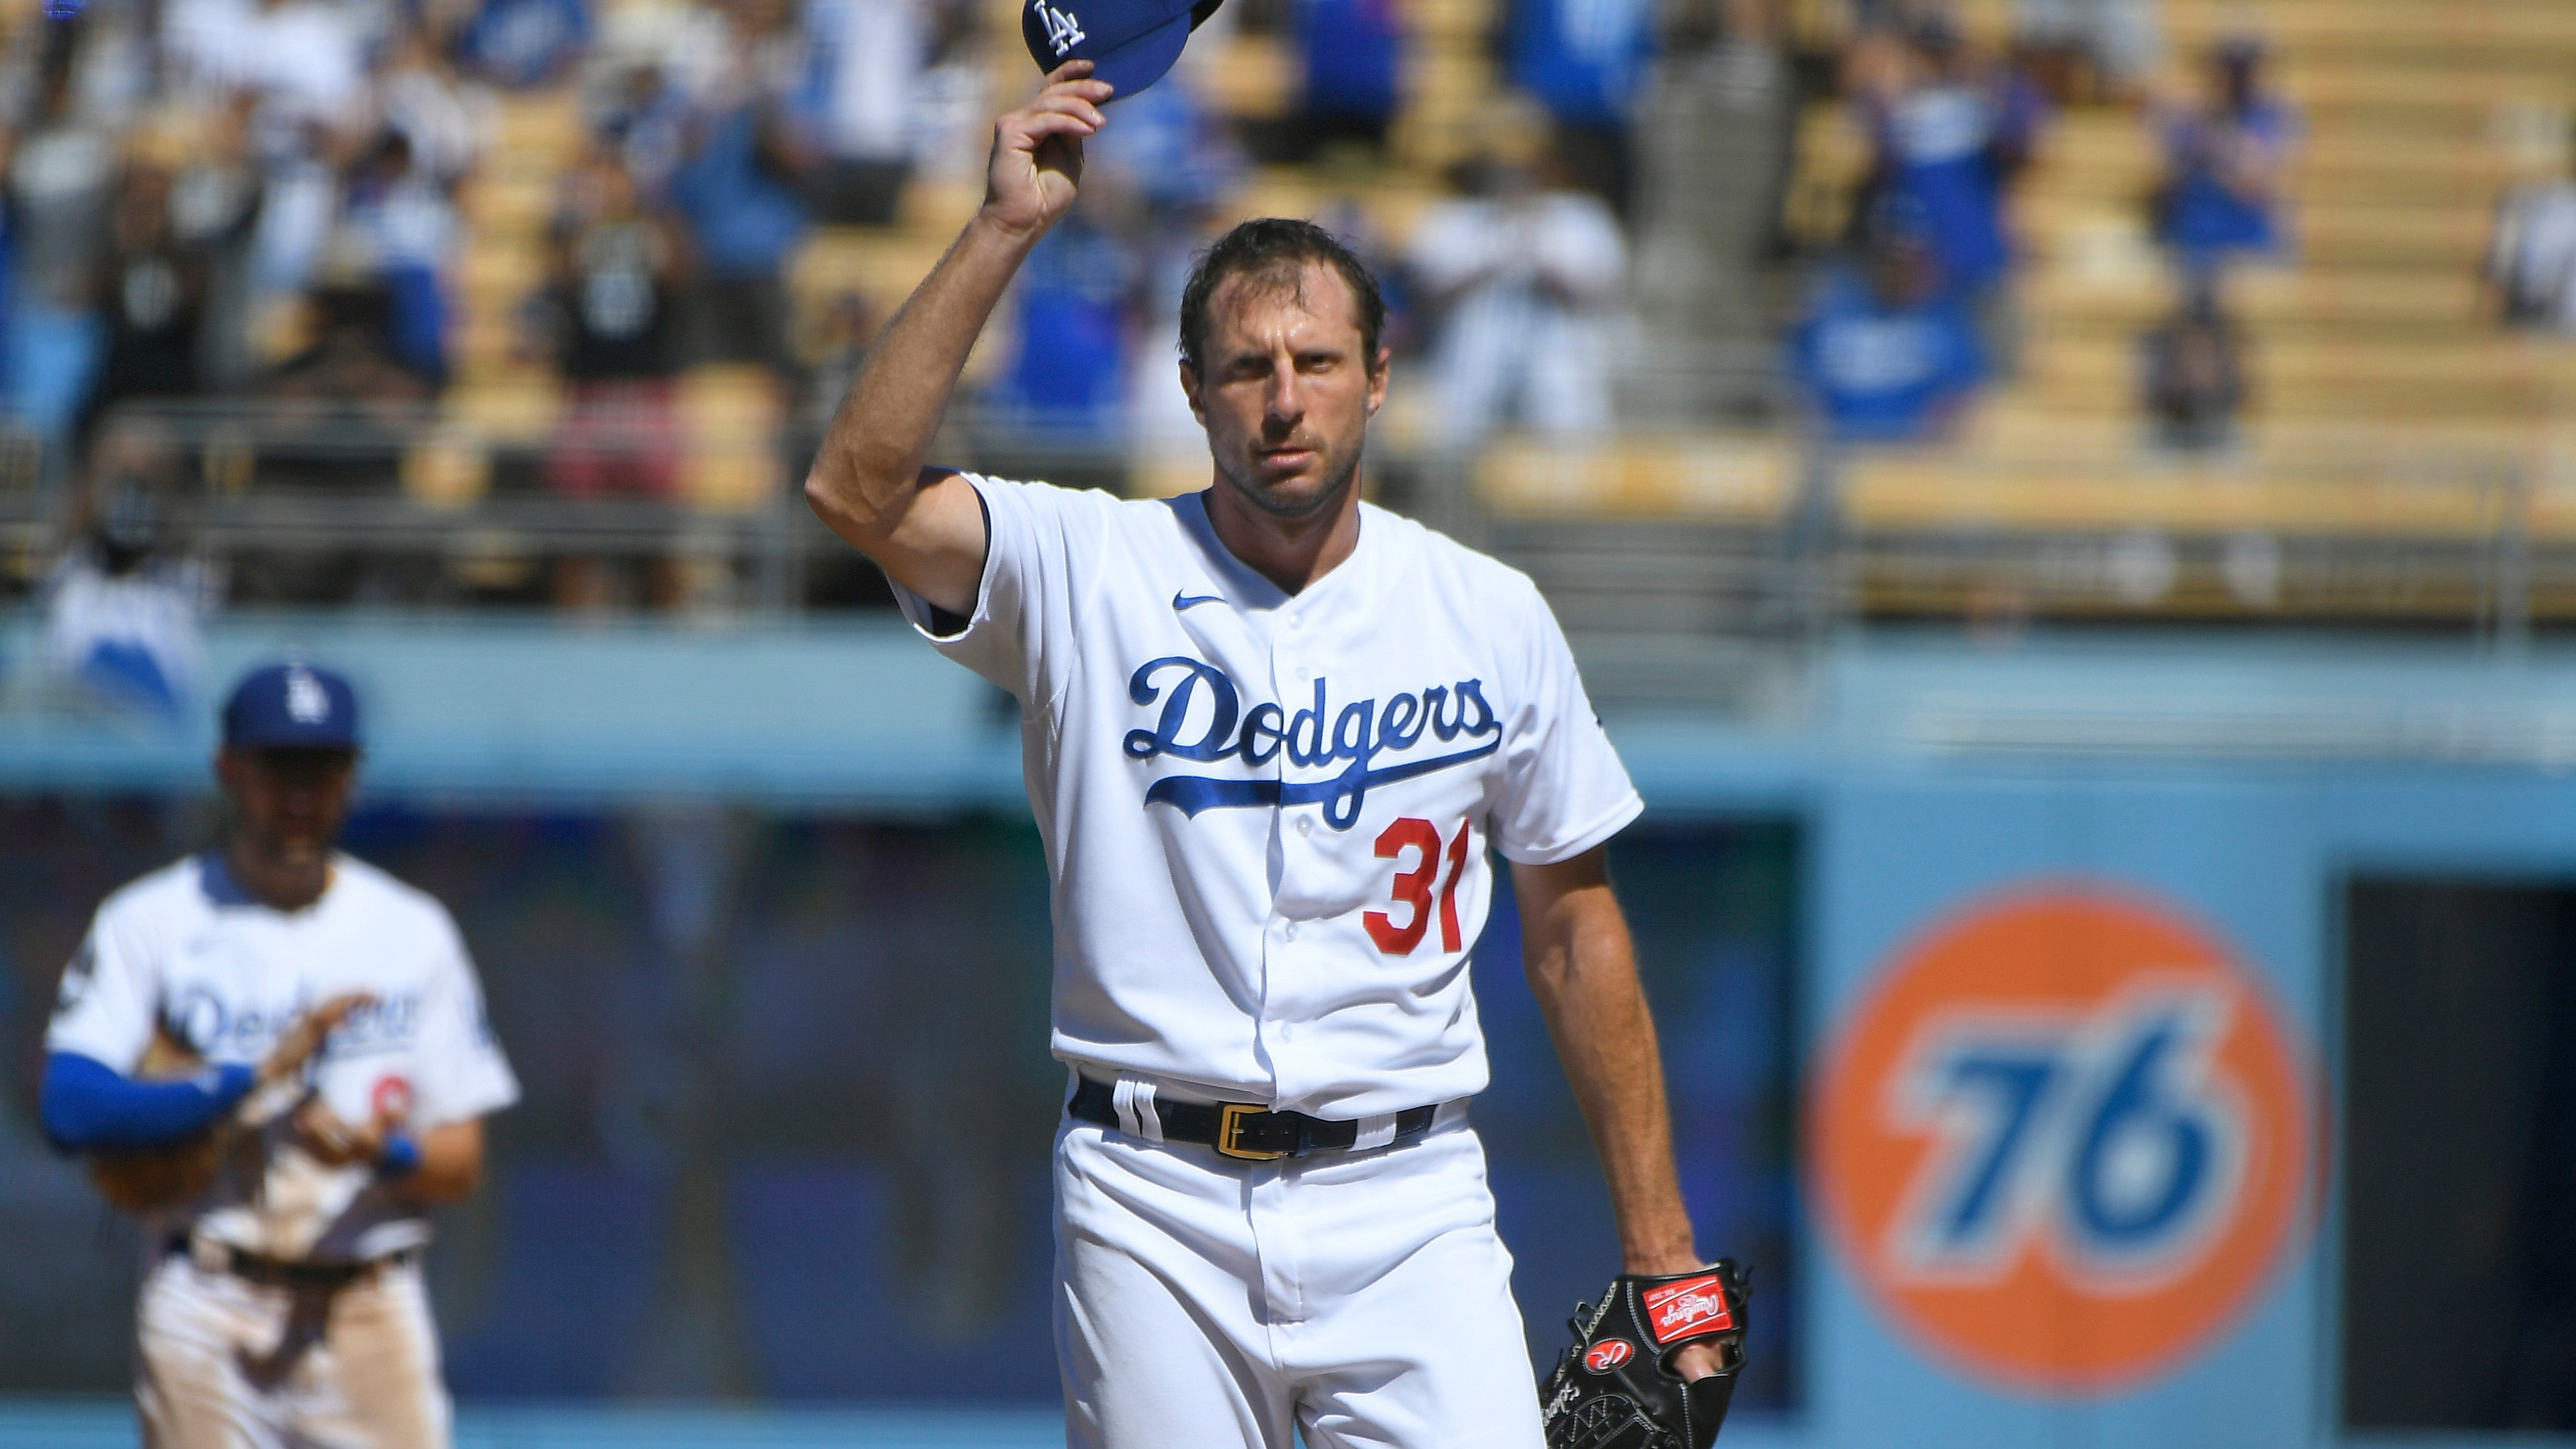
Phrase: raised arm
x=868 y=483
x=1583 y=968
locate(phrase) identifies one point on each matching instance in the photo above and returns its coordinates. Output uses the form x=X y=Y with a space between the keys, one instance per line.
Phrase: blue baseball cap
x=291 y=707
x=1130 y=43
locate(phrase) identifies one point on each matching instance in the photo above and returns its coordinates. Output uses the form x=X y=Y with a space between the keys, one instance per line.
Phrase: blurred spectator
x=299 y=202
x=646 y=119
x=1951 y=136
x=303 y=58
x=1886 y=352
x=1174 y=161
x=2089 y=50
x=155 y=292
x=1524 y=279
x=611 y=308
x=447 y=120
x=113 y=58
x=524 y=44
x=2194 y=375
x=741 y=192
x=1586 y=62
x=1353 y=52
x=61 y=183
x=2224 y=165
x=213 y=209
x=837 y=340
x=2531 y=260
x=399 y=218
x=1071 y=317
x=867 y=57
x=121 y=619
x=349 y=379
x=951 y=124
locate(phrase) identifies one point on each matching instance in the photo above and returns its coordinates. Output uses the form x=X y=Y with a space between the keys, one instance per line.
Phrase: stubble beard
x=1293 y=510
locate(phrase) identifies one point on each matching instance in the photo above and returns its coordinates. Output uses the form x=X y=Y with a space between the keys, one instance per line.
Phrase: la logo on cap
x=1063 y=27
x=307 y=702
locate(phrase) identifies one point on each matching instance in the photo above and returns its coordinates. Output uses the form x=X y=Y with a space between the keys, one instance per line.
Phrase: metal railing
x=1755 y=536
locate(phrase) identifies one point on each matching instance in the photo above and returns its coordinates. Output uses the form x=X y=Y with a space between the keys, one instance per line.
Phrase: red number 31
x=1413 y=887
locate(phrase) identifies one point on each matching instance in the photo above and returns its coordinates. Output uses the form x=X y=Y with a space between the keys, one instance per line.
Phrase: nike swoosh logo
x=1182 y=601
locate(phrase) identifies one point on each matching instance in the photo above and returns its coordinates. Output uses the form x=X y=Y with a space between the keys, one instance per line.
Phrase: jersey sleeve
x=1564 y=788
x=110 y=995
x=461 y=1072
x=1039 y=561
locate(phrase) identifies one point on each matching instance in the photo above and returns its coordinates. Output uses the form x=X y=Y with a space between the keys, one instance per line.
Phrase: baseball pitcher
x=1272 y=734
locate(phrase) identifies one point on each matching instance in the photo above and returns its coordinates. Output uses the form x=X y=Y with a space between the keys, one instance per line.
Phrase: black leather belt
x=294 y=1274
x=1240 y=1130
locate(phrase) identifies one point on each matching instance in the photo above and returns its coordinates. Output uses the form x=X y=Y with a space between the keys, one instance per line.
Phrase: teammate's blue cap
x=1130 y=43
x=291 y=707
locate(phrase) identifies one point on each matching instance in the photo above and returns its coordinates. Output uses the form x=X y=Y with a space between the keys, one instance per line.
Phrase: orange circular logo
x=2063 y=1139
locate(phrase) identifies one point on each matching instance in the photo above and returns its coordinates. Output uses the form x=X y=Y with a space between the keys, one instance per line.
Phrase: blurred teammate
x=1271 y=734
x=283 y=1306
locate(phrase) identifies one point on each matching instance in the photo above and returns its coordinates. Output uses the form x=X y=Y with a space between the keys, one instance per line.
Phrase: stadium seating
x=2385 y=402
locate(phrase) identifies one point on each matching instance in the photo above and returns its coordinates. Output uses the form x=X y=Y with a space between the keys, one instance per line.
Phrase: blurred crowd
x=260 y=198
x=1505 y=293
x=1916 y=310
x=274 y=202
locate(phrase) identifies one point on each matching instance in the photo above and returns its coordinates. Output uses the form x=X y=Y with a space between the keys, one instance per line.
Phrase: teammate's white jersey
x=1266 y=816
x=184 y=948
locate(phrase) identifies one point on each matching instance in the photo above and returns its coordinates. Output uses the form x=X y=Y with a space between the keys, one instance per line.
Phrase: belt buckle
x=1229 y=1131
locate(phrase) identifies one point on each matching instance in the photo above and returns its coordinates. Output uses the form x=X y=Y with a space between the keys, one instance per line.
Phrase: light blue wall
x=2240 y=779
x=1900 y=852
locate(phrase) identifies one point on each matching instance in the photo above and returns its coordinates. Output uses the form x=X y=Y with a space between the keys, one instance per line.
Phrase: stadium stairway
x=1712 y=144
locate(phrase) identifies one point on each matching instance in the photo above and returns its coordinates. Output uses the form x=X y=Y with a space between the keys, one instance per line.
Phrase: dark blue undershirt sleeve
x=943 y=624
x=89 y=1104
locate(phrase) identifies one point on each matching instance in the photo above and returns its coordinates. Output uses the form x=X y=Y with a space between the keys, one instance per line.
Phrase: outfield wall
x=2005 y=993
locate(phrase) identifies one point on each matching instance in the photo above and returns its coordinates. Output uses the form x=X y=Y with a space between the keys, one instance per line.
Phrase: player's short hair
x=1278 y=248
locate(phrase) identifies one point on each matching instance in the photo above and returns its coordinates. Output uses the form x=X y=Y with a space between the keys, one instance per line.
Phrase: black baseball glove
x=1616 y=1389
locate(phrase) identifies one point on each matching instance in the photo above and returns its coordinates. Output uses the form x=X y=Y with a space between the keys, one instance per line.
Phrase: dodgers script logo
x=1359 y=733
x=2065 y=1139
x=1063 y=27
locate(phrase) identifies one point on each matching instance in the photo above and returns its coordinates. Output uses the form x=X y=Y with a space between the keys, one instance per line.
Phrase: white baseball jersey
x=186 y=949
x=1266 y=816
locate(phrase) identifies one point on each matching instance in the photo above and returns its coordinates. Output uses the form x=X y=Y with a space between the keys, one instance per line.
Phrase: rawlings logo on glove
x=1678 y=1310
x=1616 y=1389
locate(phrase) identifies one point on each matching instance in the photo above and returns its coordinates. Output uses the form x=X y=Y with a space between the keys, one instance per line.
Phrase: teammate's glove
x=141 y=1179
x=1616 y=1389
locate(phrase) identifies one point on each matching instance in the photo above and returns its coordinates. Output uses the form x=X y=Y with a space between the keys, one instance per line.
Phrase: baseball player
x=337 y=1068
x=1271 y=733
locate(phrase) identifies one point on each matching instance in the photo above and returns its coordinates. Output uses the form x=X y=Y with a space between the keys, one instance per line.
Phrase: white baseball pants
x=209 y=1372
x=1361 y=1297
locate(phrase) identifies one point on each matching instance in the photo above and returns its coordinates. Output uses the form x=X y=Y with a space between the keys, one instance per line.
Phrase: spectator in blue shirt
x=524 y=43
x=1586 y=62
x=1886 y=352
x=1354 y=52
x=2221 y=196
x=401 y=218
x=739 y=195
x=1075 y=293
x=1951 y=137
